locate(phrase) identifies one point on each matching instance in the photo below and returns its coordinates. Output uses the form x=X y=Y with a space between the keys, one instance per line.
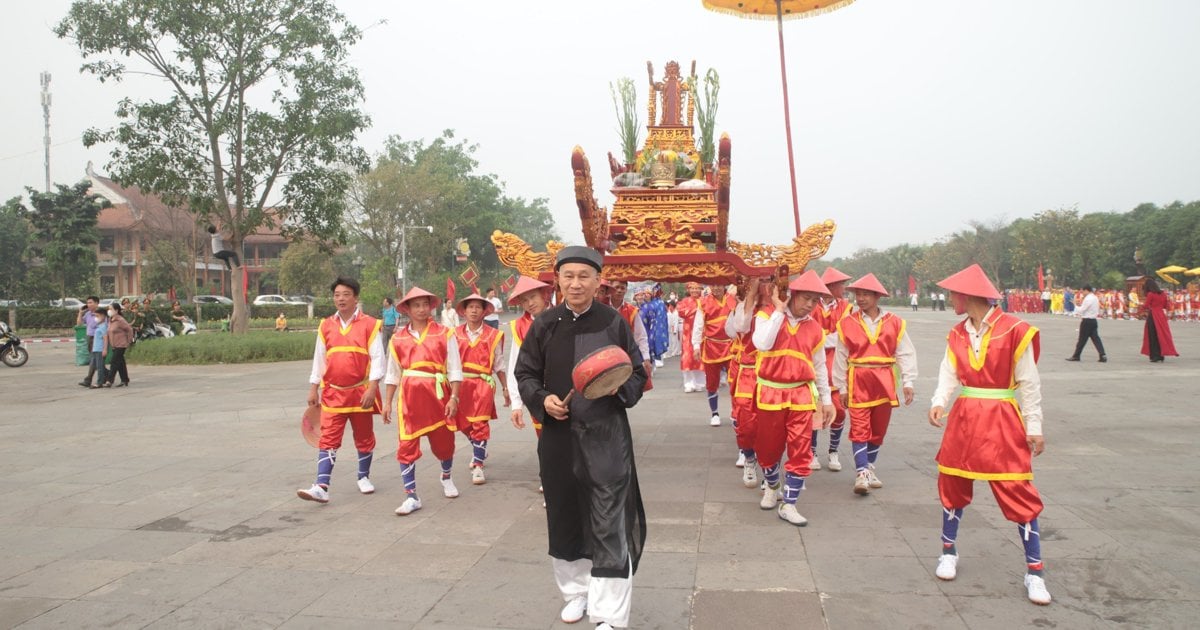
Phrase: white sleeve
x=511 y=377
x=906 y=358
x=737 y=322
x=377 y=358
x=392 y=377
x=698 y=328
x=841 y=365
x=822 y=376
x=318 y=362
x=947 y=383
x=765 y=332
x=640 y=336
x=498 y=357
x=453 y=361
x=1029 y=392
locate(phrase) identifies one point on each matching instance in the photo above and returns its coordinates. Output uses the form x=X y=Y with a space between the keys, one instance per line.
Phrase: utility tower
x=46 y=116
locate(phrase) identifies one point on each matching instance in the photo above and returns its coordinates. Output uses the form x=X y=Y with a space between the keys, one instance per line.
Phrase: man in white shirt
x=1089 y=328
x=493 y=318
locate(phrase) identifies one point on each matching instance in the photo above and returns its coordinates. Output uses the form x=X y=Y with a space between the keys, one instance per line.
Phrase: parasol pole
x=787 y=116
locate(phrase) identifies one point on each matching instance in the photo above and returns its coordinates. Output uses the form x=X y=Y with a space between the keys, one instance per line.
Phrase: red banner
x=509 y=283
x=450 y=290
x=912 y=284
x=469 y=276
x=1041 y=280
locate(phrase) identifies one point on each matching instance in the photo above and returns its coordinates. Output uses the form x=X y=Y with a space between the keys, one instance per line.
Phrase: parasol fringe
x=834 y=6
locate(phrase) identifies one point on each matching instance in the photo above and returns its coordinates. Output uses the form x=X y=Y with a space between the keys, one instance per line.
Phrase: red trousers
x=1019 y=500
x=478 y=430
x=870 y=424
x=746 y=431
x=333 y=426
x=441 y=442
x=784 y=428
x=712 y=375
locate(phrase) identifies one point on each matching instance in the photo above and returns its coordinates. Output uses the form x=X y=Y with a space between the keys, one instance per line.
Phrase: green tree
x=260 y=100
x=305 y=269
x=15 y=235
x=169 y=264
x=64 y=224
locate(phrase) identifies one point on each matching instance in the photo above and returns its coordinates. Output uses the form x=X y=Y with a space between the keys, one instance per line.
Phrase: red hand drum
x=601 y=372
x=310 y=425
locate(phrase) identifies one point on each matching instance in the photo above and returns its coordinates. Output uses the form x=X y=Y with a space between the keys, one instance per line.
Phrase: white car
x=211 y=299
x=270 y=300
x=70 y=303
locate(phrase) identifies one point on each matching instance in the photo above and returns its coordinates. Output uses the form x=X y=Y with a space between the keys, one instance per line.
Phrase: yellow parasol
x=1194 y=271
x=1162 y=273
x=779 y=9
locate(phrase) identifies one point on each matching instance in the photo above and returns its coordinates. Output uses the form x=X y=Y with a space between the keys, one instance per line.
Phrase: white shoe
x=1035 y=586
x=574 y=610
x=741 y=460
x=862 y=483
x=477 y=477
x=834 y=463
x=604 y=625
x=410 y=505
x=658 y=363
x=687 y=388
x=947 y=568
x=449 y=489
x=815 y=464
x=540 y=490
x=770 y=497
x=788 y=512
x=715 y=421
x=750 y=474
x=365 y=486
x=315 y=493
x=872 y=479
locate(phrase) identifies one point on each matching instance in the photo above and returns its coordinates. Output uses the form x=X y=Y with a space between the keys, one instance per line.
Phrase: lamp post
x=403 y=270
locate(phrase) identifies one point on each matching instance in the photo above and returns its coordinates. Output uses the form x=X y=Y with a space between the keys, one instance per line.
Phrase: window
x=107 y=243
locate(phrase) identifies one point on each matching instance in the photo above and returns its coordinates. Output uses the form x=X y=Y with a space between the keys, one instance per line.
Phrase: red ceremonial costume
x=477 y=406
x=985 y=435
x=687 y=308
x=1155 y=306
x=786 y=393
x=520 y=328
x=345 y=380
x=424 y=392
x=871 y=373
x=743 y=379
x=716 y=347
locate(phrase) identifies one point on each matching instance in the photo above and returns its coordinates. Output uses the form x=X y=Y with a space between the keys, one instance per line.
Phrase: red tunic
x=477 y=393
x=985 y=434
x=716 y=347
x=1155 y=307
x=423 y=389
x=785 y=375
x=871 y=378
x=687 y=315
x=829 y=318
x=743 y=378
x=347 y=363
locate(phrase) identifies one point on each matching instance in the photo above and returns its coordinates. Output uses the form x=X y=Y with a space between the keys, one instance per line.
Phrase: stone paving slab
x=171 y=504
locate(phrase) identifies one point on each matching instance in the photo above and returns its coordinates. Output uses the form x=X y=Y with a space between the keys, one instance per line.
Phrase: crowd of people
x=795 y=362
x=1181 y=304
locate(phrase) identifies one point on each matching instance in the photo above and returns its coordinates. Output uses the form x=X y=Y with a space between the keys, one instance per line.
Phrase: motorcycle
x=11 y=351
x=188 y=328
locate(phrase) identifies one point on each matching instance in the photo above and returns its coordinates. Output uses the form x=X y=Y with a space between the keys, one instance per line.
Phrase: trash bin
x=83 y=354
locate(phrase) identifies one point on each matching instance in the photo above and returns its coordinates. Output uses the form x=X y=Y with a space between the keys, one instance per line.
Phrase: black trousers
x=1152 y=334
x=1088 y=329
x=227 y=254
x=118 y=365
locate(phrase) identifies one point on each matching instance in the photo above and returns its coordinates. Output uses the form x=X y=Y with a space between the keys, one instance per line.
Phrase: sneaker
x=750 y=474
x=449 y=489
x=872 y=479
x=834 y=463
x=947 y=568
x=411 y=504
x=815 y=464
x=365 y=486
x=1104 y=359
x=604 y=625
x=771 y=497
x=477 y=477
x=540 y=490
x=1035 y=586
x=687 y=388
x=741 y=460
x=788 y=512
x=315 y=493
x=862 y=483
x=715 y=421
x=1072 y=358
x=574 y=610
x=658 y=363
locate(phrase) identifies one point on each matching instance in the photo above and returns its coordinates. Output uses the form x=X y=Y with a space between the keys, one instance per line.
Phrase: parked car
x=300 y=299
x=106 y=301
x=270 y=300
x=72 y=303
x=211 y=299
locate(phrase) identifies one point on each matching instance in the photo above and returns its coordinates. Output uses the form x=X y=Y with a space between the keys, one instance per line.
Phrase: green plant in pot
x=706 y=115
x=624 y=96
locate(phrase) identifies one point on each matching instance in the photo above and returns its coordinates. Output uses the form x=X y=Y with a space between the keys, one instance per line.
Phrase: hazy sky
x=909 y=118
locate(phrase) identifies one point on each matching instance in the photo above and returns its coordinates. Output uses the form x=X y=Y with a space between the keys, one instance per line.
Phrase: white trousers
x=609 y=599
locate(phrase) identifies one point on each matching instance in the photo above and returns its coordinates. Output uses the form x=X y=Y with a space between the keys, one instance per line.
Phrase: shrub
x=34 y=317
x=202 y=349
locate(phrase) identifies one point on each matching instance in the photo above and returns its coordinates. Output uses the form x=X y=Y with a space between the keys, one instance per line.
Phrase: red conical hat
x=809 y=281
x=833 y=276
x=971 y=281
x=414 y=293
x=525 y=285
x=488 y=307
x=868 y=283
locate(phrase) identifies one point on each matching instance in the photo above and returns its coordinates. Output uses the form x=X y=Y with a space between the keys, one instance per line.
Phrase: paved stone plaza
x=172 y=504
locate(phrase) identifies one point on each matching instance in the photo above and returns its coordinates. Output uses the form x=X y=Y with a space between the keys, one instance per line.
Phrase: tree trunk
x=239 y=321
